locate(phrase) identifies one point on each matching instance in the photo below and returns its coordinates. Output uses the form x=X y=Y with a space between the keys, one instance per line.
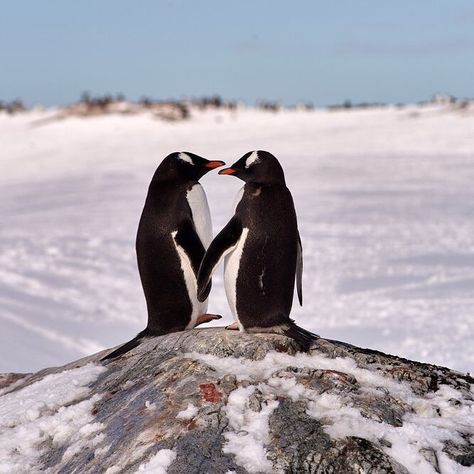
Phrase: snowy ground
x=58 y=408
x=385 y=200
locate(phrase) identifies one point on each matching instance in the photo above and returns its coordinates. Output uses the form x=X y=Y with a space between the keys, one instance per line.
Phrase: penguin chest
x=190 y=281
x=197 y=202
x=231 y=271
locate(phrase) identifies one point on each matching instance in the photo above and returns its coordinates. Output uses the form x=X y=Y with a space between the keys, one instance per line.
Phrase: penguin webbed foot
x=232 y=327
x=205 y=318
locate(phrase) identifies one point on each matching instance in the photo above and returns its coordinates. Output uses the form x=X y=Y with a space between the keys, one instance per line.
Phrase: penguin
x=173 y=234
x=262 y=250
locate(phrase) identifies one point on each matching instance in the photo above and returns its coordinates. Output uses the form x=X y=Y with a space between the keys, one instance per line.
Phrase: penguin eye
x=253 y=158
x=186 y=158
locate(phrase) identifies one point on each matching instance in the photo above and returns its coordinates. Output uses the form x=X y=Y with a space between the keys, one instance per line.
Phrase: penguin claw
x=205 y=318
x=232 y=327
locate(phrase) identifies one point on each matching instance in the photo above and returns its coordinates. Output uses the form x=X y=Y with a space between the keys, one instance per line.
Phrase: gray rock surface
x=341 y=409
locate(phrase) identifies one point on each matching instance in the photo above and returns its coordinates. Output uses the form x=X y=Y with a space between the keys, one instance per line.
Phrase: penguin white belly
x=191 y=284
x=238 y=197
x=231 y=271
x=201 y=215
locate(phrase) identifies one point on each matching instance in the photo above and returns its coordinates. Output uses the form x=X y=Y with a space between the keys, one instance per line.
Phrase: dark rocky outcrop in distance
x=341 y=409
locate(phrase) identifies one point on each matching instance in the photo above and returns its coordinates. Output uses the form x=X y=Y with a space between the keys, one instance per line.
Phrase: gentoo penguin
x=262 y=251
x=173 y=235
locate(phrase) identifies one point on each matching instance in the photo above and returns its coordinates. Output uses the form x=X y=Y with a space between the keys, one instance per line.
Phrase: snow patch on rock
x=189 y=413
x=53 y=409
x=434 y=418
x=159 y=463
x=249 y=430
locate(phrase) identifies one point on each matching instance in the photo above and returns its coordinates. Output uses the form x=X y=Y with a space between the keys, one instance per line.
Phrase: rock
x=217 y=401
x=8 y=379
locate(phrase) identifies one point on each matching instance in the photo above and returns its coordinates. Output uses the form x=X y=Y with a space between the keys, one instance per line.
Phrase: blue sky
x=325 y=52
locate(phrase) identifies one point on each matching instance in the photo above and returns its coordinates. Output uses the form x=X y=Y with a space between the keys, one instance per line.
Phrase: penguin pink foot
x=205 y=318
x=233 y=327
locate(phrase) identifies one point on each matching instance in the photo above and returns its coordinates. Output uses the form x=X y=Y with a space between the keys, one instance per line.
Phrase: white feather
x=231 y=270
x=238 y=197
x=251 y=159
x=201 y=216
x=191 y=284
x=186 y=158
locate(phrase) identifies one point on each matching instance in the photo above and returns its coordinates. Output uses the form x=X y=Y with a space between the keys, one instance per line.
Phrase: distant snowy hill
x=385 y=200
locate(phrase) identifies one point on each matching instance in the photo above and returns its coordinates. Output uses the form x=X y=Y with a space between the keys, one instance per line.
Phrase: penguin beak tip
x=214 y=164
x=227 y=171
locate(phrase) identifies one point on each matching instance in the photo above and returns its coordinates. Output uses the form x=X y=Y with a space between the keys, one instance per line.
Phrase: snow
x=189 y=413
x=434 y=417
x=384 y=199
x=249 y=431
x=159 y=463
x=149 y=405
x=56 y=409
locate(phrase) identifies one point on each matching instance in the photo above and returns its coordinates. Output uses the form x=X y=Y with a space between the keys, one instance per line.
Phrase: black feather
x=124 y=348
x=303 y=337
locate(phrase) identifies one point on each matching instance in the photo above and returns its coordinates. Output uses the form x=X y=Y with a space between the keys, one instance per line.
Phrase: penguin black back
x=173 y=233
x=263 y=250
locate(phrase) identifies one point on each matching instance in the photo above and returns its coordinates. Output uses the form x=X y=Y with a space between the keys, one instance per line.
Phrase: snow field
x=384 y=199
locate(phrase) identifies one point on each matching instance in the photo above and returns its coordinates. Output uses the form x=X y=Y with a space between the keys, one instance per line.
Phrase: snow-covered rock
x=216 y=401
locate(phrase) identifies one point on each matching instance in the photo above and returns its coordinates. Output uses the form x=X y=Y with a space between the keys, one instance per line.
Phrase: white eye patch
x=186 y=158
x=251 y=159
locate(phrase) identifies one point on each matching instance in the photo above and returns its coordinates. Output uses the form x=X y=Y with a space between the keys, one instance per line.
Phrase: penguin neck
x=176 y=181
x=267 y=181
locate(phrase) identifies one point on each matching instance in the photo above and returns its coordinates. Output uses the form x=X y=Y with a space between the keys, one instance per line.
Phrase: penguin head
x=184 y=166
x=257 y=167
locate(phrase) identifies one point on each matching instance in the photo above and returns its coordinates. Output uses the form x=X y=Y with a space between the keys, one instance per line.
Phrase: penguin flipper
x=224 y=241
x=188 y=239
x=299 y=271
x=206 y=291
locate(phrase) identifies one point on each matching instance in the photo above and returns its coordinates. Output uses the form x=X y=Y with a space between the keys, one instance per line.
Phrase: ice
x=384 y=199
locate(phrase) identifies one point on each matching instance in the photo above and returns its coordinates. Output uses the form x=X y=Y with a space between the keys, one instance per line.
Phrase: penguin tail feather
x=303 y=337
x=128 y=346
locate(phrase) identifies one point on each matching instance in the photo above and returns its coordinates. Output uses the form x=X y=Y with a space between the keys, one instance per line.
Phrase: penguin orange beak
x=214 y=164
x=227 y=171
